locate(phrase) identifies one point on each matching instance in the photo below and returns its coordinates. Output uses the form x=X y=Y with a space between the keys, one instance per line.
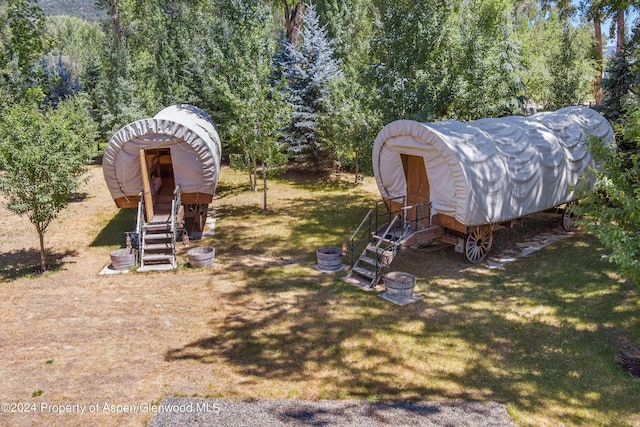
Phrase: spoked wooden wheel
x=570 y=215
x=478 y=243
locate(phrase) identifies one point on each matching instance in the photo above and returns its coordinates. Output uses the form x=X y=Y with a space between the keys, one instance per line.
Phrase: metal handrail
x=367 y=216
x=387 y=213
x=140 y=228
x=417 y=217
x=175 y=206
x=356 y=239
x=140 y=218
x=380 y=254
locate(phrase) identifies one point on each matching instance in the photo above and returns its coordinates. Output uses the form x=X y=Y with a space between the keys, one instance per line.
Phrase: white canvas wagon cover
x=492 y=170
x=187 y=131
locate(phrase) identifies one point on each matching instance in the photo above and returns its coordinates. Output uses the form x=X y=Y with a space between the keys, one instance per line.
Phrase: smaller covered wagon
x=455 y=181
x=167 y=167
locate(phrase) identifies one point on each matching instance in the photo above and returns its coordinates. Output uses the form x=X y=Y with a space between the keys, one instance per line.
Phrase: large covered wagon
x=167 y=167
x=455 y=181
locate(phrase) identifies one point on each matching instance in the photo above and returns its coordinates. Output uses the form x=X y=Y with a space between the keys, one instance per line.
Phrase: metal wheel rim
x=478 y=243
x=569 y=217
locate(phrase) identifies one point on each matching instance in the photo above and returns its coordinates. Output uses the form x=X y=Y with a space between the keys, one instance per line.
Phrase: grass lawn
x=539 y=334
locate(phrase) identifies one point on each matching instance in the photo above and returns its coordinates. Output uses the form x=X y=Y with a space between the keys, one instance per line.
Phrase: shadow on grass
x=229 y=190
x=318 y=181
x=78 y=197
x=295 y=230
x=26 y=263
x=536 y=334
x=113 y=234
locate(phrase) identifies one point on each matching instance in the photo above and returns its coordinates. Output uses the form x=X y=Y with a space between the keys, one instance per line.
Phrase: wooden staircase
x=157 y=244
x=378 y=245
x=376 y=257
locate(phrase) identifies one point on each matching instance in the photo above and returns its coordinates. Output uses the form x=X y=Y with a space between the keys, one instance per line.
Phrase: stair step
x=158 y=246
x=156 y=267
x=360 y=282
x=157 y=226
x=364 y=272
x=158 y=236
x=368 y=260
x=384 y=240
x=157 y=257
x=378 y=249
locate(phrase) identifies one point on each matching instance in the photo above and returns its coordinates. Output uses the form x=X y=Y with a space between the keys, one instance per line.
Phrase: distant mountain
x=84 y=9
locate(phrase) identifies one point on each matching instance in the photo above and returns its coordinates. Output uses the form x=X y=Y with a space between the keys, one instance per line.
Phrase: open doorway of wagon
x=417 y=201
x=158 y=182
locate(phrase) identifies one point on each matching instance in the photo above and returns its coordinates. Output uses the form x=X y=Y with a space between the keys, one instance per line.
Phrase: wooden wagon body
x=455 y=181
x=167 y=166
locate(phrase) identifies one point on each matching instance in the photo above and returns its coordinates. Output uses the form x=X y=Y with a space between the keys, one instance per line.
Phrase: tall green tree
x=289 y=12
x=613 y=210
x=309 y=70
x=595 y=13
x=486 y=70
x=22 y=44
x=44 y=156
x=27 y=40
x=235 y=69
x=113 y=8
x=412 y=57
x=571 y=69
x=353 y=119
x=114 y=98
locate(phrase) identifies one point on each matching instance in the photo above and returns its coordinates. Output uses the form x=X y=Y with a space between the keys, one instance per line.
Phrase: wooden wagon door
x=417 y=190
x=146 y=186
x=157 y=182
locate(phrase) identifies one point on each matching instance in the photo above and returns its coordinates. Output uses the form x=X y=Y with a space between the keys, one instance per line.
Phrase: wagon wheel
x=570 y=215
x=478 y=243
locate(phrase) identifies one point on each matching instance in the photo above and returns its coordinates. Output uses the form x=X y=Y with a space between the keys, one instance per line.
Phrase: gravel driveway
x=174 y=411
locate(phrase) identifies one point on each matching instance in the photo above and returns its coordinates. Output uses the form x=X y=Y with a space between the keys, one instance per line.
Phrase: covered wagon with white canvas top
x=167 y=167
x=456 y=181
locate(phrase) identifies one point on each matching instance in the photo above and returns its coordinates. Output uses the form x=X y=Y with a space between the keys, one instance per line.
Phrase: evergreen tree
x=309 y=71
x=59 y=82
x=617 y=84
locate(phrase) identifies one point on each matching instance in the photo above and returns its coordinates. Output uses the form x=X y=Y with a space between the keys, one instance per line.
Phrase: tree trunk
x=355 y=160
x=112 y=5
x=252 y=184
x=43 y=262
x=264 y=188
x=620 y=31
x=293 y=21
x=254 y=167
x=597 y=83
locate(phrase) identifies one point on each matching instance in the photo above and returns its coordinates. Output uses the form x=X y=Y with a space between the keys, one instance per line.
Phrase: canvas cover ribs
x=490 y=170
